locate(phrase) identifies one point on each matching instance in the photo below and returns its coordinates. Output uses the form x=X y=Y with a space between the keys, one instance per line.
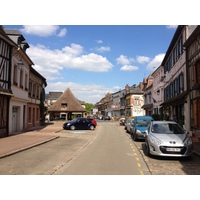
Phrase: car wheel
x=72 y=127
x=134 y=136
x=91 y=127
x=147 y=149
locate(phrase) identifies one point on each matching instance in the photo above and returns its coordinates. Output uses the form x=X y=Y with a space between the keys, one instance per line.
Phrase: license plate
x=173 y=149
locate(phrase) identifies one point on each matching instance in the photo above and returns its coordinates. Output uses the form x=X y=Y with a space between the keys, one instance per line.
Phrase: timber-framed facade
x=192 y=46
x=5 y=82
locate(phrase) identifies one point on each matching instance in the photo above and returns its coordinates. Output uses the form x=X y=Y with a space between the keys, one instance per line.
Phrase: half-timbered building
x=192 y=46
x=6 y=46
x=175 y=78
x=27 y=86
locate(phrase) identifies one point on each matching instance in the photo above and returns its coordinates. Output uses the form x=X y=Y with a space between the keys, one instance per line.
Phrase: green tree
x=88 y=107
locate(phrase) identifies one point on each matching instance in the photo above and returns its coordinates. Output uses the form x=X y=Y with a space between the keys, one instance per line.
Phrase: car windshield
x=74 y=120
x=167 y=128
x=142 y=122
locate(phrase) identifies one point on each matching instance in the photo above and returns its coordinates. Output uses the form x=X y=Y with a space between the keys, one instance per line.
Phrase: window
x=30 y=89
x=15 y=78
x=175 y=55
x=197 y=70
x=136 y=100
x=26 y=82
x=37 y=114
x=64 y=105
x=38 y=91
x=34 y=90
x=21 y=78
x=196 y=110
x=29 y=115
x=174 y=88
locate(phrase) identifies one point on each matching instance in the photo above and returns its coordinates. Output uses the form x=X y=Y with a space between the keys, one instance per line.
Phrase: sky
x=96 y=47
x=93 y=60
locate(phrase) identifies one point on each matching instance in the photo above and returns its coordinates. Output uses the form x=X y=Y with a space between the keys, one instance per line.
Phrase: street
x=110 y=153
x=108 y=150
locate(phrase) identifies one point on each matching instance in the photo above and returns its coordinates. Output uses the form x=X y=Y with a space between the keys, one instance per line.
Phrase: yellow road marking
x=141 y=172
x=139 y=165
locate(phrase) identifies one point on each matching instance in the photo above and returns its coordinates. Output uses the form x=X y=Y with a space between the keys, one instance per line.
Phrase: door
x=82 y=124
x=14 y=120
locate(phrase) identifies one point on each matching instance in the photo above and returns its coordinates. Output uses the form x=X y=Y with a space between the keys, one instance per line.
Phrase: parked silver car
x=128 y=124
x=167 y=138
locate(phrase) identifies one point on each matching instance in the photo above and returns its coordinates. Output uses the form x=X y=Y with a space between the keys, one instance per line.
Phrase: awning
x=147 y=106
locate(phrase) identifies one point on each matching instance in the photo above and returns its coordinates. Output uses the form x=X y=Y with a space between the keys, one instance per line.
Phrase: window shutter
x=198 y=111
x=195 y=113
x=198 y=73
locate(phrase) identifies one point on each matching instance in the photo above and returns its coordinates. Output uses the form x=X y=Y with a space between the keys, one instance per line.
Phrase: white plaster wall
x=20 y=104
x=20 y=96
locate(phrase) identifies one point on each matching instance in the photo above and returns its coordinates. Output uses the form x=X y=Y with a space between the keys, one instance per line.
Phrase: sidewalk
x=25 y=140
x=196 y=145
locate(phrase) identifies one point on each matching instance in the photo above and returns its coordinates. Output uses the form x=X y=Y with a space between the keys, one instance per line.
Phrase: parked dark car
x=106 y=117
x=92 y=120
x=79 y=123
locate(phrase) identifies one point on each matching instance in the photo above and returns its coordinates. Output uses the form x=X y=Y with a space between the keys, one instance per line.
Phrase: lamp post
x=20 y=64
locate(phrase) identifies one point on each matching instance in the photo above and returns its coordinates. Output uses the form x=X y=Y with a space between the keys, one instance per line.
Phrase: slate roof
x=53 y=95
x=67 y=102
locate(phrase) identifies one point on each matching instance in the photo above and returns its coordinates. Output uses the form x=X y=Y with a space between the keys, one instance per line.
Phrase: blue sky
x=93 y=60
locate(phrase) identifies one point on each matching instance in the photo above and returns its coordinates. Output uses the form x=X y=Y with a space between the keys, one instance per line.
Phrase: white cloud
x=44 y=30
x=91 y=62
x=142 y=59
x=155 y=63
x=49 y=62
x=99 y=41
x=62 y=32
x=171 y=26
x=73 y=50
x=90 y=93
x=49 y=73
x=129 y=68
x=103 y=49
x=123 y=60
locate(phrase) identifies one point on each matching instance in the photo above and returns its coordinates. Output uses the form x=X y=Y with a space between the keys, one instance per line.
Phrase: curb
x=197 y=153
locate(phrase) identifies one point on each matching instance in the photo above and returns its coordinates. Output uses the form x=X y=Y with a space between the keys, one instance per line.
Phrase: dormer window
x=64 y=105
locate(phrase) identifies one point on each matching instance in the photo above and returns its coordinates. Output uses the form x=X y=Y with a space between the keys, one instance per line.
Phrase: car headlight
x=188 y=141
x=68 y=124
x=155 y=141
x=138 y=132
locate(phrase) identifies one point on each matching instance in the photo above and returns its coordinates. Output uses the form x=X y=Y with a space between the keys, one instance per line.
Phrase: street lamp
x=20 y=64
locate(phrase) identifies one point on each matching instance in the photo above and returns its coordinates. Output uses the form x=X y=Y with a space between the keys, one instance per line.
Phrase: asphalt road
x=110 y=153
x=105 y=151
x=108 y=150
